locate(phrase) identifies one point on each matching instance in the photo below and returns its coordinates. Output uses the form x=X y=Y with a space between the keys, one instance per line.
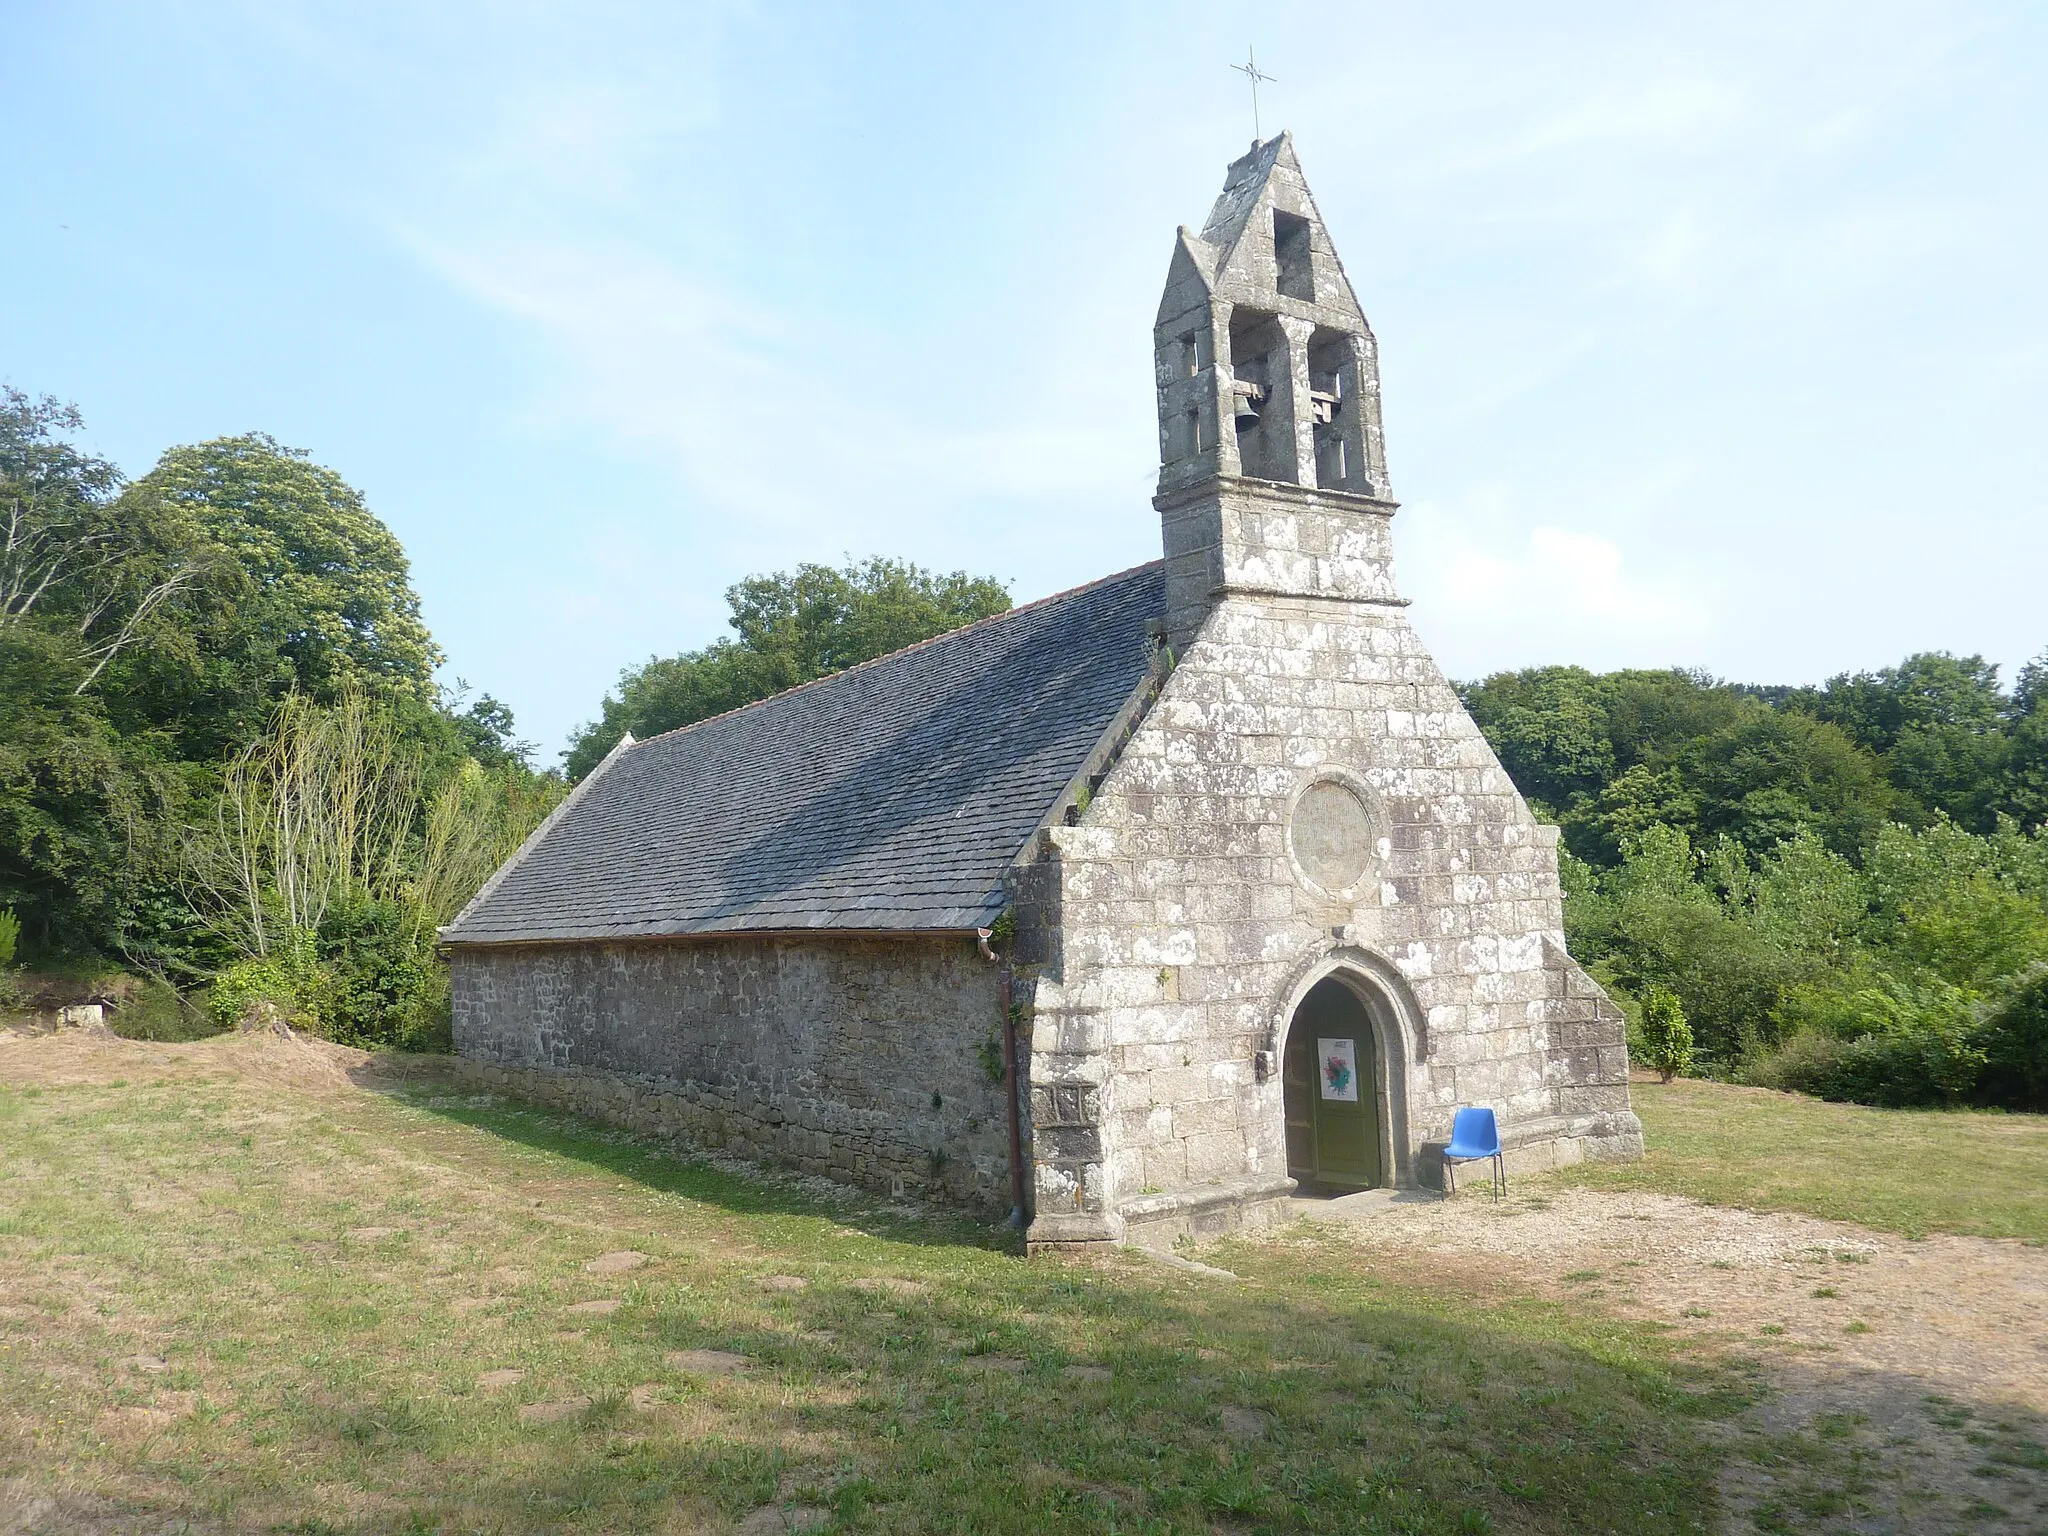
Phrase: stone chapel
x=1132 y=910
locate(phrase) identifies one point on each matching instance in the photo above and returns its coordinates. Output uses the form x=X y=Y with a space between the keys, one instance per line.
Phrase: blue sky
x=1711 y=335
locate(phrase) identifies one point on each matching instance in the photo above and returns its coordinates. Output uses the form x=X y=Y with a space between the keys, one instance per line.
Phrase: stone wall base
x=1537 y=1146
x=1072 y=1231
x=689 y=1112
x=1208 y=1211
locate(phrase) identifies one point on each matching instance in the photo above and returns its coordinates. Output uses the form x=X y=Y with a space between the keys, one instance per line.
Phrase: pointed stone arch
x=1399 y=1040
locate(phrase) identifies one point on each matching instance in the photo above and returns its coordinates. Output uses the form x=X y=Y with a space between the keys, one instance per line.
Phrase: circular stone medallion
x=1331 y=835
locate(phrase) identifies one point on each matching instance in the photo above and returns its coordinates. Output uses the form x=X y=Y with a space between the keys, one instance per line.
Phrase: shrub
x=379 y=982
x=1653 y=923
x=10 y=934
x=1805 y=1062
x=156 y=1012
x=1667 y=1038
x=367 y=978
x=1727 y=976
x=1896 y=1042
x=286 y=977
x=1904 y=1071
x=2015 y=1041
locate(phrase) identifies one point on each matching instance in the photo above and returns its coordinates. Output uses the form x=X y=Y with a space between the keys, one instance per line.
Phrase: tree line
x=225 y=763
x=1841 y=889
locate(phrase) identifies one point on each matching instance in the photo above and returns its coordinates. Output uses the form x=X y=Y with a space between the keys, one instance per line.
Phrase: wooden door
x=1330 y=1084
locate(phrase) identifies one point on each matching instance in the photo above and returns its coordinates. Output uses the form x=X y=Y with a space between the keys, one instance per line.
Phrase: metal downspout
x=981 y=937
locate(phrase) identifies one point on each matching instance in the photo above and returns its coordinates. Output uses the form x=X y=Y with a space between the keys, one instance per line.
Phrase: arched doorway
x=1330 y=1082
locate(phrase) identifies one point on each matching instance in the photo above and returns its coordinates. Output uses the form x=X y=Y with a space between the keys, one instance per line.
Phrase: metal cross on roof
x=1250 y=70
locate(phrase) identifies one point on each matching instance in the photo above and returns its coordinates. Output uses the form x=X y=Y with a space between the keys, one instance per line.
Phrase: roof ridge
x=994 y=618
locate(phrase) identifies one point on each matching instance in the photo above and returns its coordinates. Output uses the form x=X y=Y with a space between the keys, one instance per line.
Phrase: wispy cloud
x=1487 y=576
x=1558 y=580
x=756 y=408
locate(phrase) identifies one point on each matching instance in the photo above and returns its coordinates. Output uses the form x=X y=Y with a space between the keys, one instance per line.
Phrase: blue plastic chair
x=1475 y=1137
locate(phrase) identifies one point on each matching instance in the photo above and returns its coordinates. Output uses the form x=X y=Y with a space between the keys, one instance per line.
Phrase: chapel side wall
x=1184 y=930
x=864 y=1060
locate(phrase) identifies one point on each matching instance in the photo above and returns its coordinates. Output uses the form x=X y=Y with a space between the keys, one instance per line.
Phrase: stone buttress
x=1305 y=797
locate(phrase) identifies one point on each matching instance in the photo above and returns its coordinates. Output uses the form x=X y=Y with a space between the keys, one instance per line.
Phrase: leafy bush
x=156 y=1012
x=1892 y=1071
x=2015 y=1042
x=367 y=977
x=332 y=857
x=1667 y=1038
x=1805 y=1062
x=288 y=976
x=1915 y=1041
x=379 y=984
x=10 y=934
x=1911 y=980
x=1655 y=923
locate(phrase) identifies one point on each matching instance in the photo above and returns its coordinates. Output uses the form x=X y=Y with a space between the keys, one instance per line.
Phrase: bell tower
x=1273 y=476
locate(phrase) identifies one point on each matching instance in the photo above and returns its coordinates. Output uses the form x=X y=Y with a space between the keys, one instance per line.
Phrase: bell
x=1249 y=397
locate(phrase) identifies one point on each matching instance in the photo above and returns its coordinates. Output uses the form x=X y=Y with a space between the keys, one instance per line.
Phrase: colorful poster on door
x=1340 y=1069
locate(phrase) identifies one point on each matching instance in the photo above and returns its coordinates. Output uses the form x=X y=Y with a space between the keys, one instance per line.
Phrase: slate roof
x=891 y=796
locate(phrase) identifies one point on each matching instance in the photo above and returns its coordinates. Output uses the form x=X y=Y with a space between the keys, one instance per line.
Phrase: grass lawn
x=236 y=1292
x=1902 y=1170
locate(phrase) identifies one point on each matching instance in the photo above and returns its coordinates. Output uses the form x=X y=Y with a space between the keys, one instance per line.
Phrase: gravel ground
x=1910 y=1378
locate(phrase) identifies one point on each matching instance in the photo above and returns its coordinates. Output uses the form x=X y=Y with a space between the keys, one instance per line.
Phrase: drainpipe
x=981 y=937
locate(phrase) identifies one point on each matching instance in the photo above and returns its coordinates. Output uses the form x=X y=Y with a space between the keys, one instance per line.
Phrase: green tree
x=1764 y=777
x=1928 y=689
x=85 y=814
x=1667 y=1038
x=1653 y=922
x=2016 y=1045
x=307 y=593
x=150 y=633
x=330 y=860
x=1809 y=898
x=1549 y=726
x=1639 y=798
x=2023 y=792
x=485 y=729
x=1653 y=716
x=791 y=627
x=1938 y=721
x=73 y=559
x=86 y=586
x=1967 y=909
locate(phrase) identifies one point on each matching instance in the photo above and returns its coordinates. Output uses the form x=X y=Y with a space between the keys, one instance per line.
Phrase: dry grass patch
x=901 y=1372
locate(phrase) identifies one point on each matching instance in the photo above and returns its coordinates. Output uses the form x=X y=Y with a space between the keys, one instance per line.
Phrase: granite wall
x=870 y=1061
x=1306 y=798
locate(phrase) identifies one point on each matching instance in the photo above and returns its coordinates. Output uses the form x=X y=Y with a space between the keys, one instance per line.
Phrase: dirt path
x=1910 y=1379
